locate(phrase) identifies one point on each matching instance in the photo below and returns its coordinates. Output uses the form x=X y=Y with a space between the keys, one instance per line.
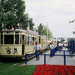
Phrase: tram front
x=11 y=43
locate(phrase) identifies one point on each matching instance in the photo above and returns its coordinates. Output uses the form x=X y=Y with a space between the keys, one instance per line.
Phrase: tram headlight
x=8 y=51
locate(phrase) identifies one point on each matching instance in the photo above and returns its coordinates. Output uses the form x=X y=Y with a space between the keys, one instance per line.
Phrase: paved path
x=55 y=60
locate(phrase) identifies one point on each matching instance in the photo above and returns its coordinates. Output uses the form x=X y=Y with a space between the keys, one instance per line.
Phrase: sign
x=15 y=50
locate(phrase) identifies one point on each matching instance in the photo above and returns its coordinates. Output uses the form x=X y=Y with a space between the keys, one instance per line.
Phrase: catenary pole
x=47 y=34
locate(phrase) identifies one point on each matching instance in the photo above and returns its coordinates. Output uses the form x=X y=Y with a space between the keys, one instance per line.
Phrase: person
x=51 y=49
x=59 y=46
x=30 y=43
x=37 y=48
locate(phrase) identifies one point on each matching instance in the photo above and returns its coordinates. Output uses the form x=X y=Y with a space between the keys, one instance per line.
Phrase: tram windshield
x=16 y=39
x=8 y=39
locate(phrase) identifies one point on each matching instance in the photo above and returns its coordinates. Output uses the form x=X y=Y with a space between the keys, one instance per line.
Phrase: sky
x=54 y=13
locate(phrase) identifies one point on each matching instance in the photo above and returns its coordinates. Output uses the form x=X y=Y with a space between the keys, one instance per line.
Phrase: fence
x=64 y=55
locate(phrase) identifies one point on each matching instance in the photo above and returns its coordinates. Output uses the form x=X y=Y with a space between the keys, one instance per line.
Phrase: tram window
x=39 y=40
x=20 y=39
x=35 y=40
x=16 y=39
x=1 y=39
x=8 y=39
x=28 y=40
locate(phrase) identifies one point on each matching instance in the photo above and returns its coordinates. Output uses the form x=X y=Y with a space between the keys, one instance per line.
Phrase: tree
x=31 y=24
x=14 y=13
x=40 y=29
x=43 y=30
x=72 y=21
x=62 y=40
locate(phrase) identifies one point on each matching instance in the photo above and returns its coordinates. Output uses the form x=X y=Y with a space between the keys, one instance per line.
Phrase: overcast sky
x=57 y=13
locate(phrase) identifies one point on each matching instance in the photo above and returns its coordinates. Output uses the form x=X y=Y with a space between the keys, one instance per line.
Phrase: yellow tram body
x=16 y=43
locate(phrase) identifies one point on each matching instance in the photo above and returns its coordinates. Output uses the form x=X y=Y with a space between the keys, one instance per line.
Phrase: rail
x=64 y=55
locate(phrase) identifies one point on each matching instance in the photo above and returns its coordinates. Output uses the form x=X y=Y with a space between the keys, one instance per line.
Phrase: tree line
x=13 y=12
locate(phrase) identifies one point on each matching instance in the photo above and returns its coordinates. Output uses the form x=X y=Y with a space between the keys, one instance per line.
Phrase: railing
x=64 y=55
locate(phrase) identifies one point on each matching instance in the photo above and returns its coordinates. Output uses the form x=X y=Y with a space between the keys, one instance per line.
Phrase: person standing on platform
x=37 y=49
x=51 y=49
x=60 y=47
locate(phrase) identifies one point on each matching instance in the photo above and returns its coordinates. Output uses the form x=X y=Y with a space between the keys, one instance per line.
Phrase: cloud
x=57 y=13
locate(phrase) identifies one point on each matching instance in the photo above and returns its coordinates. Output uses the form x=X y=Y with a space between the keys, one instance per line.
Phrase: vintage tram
x=16 y=42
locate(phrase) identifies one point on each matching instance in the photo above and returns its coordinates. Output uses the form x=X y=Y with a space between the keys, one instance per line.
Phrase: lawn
x=19 y=70
x=5 y=65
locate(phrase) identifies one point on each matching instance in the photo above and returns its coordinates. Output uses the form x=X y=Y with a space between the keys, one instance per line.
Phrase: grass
x=5 y=65
x=18 y=70
x=7 y=68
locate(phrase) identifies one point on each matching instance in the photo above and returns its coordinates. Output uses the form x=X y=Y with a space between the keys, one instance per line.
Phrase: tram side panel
x=11 y=51
x=43 y=43
x=29 y=49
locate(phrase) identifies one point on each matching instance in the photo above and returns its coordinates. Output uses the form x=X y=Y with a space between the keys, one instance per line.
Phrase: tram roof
x=22 y=30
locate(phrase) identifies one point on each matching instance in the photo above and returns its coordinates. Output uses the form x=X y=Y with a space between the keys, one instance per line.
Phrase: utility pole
x=47 y=34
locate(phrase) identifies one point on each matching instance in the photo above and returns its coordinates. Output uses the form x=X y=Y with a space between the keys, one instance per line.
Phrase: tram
x=15 y=42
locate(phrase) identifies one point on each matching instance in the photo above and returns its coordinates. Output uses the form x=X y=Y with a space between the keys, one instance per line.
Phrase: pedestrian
x=51 y=49
x=37 y=50
x=60 y=47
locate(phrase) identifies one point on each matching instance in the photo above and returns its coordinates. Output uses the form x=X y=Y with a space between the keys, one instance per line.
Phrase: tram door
x=23 y=44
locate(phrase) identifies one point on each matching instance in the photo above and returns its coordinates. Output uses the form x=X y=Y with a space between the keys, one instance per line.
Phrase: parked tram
x=16 y=42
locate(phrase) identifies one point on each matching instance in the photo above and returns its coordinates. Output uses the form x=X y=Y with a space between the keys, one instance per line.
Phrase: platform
x=55 y=60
